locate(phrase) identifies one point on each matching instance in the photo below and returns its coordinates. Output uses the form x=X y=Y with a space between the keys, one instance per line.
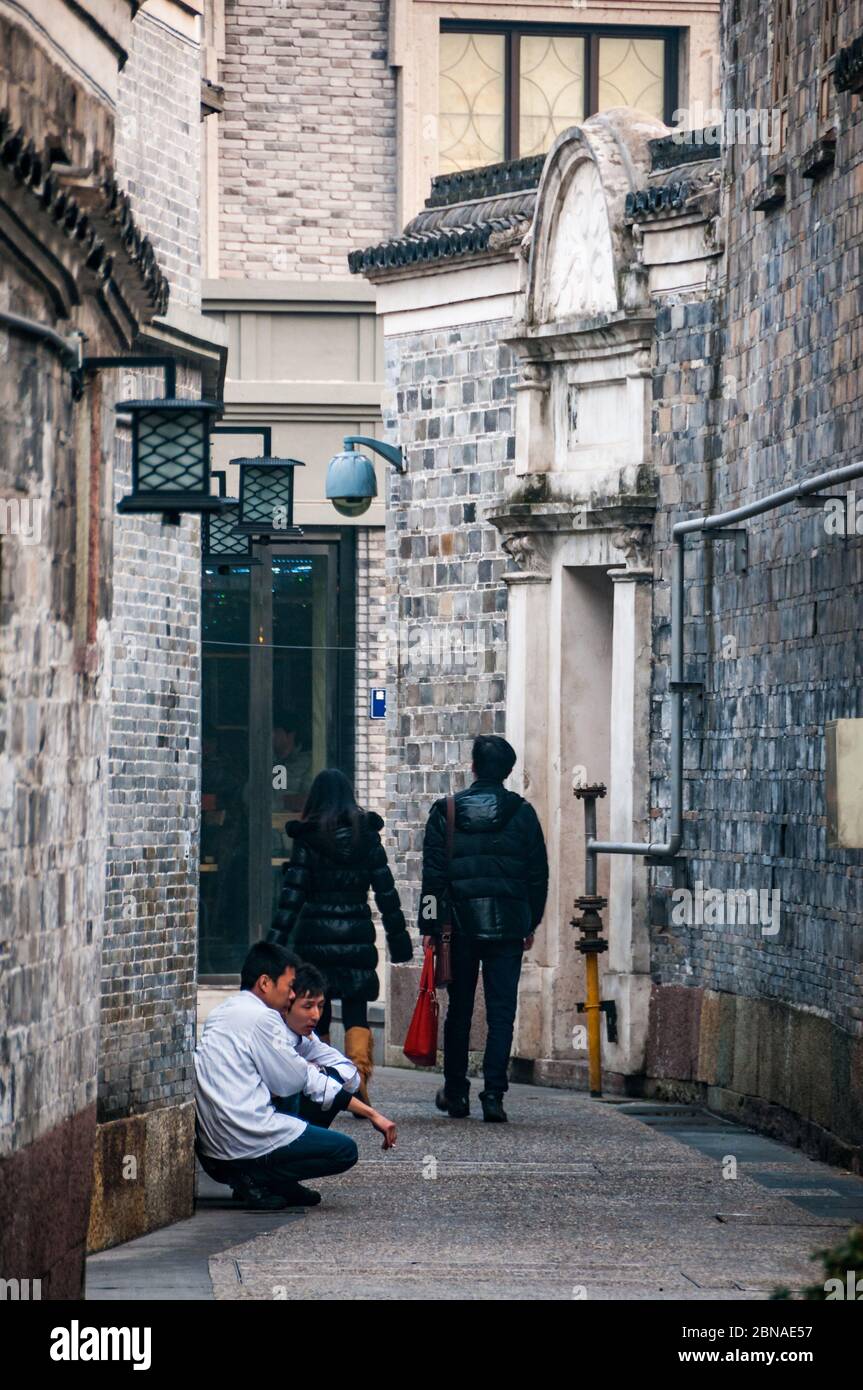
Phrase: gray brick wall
x=371 y=664
x=53 y=707
x=149 y=954
x=158 y=149
x=755 y=388
x=371 y=669
x=53 y=730
x=452 y=397
x=151 y=908
x=307 y=141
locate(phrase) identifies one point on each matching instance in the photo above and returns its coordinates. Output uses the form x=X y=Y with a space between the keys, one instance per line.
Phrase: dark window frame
x=592 y=33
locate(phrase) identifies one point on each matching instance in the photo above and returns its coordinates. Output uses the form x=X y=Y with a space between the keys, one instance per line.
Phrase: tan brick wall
x=307 y=141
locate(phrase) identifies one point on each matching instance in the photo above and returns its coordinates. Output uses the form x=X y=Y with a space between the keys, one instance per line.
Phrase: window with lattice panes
x=507 y=90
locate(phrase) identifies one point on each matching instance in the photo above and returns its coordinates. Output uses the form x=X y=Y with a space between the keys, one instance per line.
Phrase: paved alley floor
x=574 y=1198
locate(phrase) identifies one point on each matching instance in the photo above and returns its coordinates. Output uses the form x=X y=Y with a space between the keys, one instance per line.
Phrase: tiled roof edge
x=668 y=199
x=488 y=181
x=94 y=212
x=428 y=247
x=683 y=147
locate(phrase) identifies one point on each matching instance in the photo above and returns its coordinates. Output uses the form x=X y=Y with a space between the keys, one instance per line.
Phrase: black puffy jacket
x=498 y=877
x=324 y=914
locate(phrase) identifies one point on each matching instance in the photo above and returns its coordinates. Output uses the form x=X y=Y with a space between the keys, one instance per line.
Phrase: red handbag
x=421 y=1042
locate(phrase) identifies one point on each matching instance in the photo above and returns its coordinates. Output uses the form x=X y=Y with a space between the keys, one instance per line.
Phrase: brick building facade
x=755 y=388
x=148 y=996
x=680 y=350
x=99 y=844
x=319 y=146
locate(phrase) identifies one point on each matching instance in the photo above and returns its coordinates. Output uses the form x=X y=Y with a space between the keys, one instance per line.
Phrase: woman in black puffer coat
x=324 y=914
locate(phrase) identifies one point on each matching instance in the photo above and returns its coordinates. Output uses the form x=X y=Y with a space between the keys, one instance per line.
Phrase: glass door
x=277 y=648
x=225 y=626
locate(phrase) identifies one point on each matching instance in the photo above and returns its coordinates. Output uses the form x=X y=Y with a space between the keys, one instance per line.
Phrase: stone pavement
x=573 y=1198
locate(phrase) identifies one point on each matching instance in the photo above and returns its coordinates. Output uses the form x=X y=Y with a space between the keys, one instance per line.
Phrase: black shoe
x=492 y=1106
x=456 y=1106
x=295 y=1195
x=256 y=1199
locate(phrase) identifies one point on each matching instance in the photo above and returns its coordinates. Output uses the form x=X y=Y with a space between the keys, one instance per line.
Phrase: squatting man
x=268 y=1089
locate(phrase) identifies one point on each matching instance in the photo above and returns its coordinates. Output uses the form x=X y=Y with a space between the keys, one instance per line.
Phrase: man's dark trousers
x=317 y=1153
x=501 y=968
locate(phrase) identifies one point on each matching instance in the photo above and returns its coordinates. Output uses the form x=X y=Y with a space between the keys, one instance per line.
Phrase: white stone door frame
x=539 y=701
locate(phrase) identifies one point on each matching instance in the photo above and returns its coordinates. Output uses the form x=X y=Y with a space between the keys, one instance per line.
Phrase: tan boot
x=358 y=1046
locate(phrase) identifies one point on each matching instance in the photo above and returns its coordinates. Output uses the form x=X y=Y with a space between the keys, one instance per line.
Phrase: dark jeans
x=501 y=968
x=308 y=1109
x=354 y=1015
x=317 y=1153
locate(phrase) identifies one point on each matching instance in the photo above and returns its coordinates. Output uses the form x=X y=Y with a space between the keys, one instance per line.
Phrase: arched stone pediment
x=580 y=279
x=580 y=245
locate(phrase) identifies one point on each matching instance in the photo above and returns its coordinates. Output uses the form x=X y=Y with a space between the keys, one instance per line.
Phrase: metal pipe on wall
x=69 y=349
x=682 y=529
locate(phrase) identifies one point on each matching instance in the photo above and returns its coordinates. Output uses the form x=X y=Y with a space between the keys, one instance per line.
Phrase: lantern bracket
x=265 y=432
x=98 y=364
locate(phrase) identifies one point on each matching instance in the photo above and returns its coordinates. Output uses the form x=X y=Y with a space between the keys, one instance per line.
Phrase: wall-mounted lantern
x=221 y=545
x=170 y=442
x=267 y=497
x=171 y=456
x=351 y=482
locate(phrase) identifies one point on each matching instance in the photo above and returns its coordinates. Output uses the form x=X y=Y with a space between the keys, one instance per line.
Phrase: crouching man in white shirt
x=245 y=1057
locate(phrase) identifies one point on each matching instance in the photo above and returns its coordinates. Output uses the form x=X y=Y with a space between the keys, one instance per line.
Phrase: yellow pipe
x=593 y=1009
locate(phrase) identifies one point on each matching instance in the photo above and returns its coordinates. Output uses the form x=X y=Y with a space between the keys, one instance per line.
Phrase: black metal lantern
x=171 y=456
x=267 y=497
x=222 y=545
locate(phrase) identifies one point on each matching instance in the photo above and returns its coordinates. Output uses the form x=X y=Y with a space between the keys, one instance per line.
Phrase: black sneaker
x=295 y=1195
x=256 y=1199
x=456 y=1106
x=492 y=1106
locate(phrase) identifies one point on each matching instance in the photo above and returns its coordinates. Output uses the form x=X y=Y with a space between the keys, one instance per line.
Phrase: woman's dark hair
x=493 y=758
x=331 y=803
x=266 y=958
x=309 y=980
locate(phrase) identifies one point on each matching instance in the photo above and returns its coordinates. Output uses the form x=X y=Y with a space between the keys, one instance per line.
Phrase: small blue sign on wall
x=377 y=702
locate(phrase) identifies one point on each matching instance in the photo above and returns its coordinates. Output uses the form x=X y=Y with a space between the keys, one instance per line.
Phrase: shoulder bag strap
x=443 y=954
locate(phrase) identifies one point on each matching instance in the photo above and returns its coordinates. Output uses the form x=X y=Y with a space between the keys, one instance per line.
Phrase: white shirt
x=247 y=1055
x=311 y=1049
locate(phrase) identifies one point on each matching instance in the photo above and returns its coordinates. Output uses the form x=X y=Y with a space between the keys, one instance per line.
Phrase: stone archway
x=577 y=518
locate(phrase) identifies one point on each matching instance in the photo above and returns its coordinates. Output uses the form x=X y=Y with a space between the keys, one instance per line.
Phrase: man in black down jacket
x=498 y=882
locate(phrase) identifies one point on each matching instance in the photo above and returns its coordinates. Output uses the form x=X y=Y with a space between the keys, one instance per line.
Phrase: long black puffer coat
x=498 y=878
x=324 y=914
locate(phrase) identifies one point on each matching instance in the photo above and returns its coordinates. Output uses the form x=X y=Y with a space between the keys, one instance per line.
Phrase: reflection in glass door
x=225 y=624
x=277 y=673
